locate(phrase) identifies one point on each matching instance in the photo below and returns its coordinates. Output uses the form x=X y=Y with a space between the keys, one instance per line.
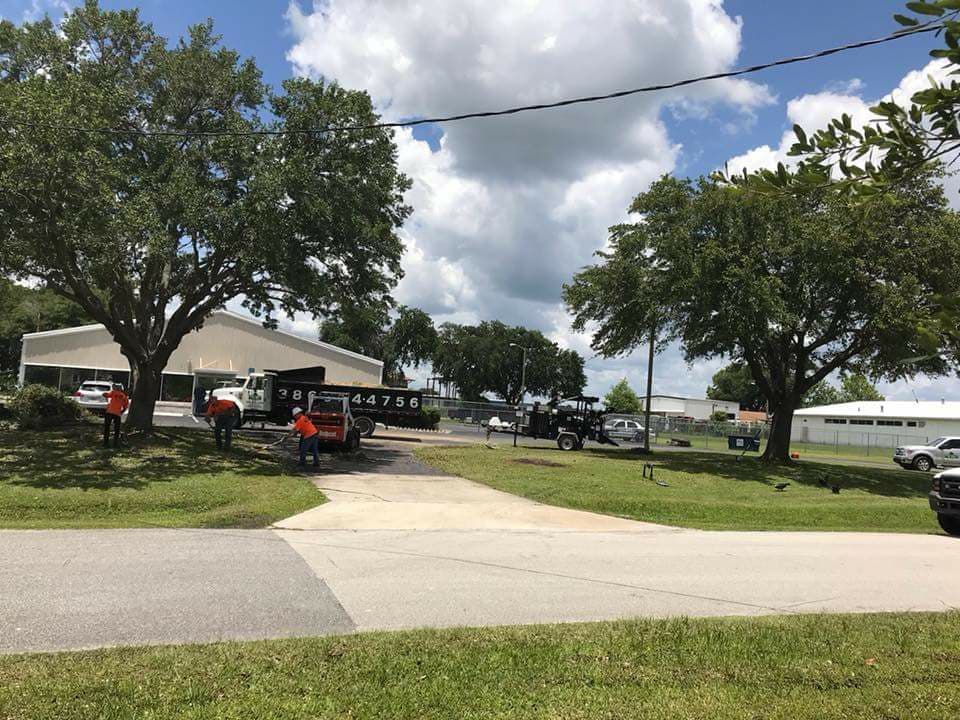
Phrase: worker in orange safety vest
x=309 y=437
x=117 y=404
x=224 y=415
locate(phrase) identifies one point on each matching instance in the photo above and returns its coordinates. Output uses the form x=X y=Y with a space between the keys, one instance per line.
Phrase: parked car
x=90 y=395
x=625 y=430
x=495 y=424
x=945 y=500
x=942 y=452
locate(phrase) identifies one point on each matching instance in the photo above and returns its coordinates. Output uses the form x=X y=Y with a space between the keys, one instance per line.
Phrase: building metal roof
x=904 y=409
x=227 y=313
x=689 y=399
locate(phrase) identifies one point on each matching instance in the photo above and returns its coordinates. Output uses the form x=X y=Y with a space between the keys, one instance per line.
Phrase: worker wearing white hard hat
x=309 y=437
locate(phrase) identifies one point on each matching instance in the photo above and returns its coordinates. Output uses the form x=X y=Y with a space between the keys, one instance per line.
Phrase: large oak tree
x=795 y=287
x=130 y=184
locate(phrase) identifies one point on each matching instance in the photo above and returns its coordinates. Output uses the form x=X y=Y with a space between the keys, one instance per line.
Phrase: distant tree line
x=482 y=360
x=26 y=310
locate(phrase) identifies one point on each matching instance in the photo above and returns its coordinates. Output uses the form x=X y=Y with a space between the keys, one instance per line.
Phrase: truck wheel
x=950 y=524
x=365 y=426
x=567 y=442
x=923 y=463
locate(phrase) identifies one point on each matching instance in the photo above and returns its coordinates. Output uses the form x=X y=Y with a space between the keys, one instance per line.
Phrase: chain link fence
x=703 y=434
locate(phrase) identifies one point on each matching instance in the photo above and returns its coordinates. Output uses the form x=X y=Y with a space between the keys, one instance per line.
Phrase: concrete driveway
x=387 y=489
x=401 y=546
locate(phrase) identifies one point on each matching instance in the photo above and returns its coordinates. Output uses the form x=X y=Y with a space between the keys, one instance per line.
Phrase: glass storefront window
x=71 y=378
x=115 y=376
x=42 y=375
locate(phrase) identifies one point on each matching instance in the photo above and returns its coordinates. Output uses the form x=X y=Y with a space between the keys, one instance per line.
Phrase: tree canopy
x=735 y=382
x=853 y=387
x=408 y=339
x=901 y=140
x=150 y=232
x=25 y=310
x=795 y=287
x=622 y=399
x=480 y=359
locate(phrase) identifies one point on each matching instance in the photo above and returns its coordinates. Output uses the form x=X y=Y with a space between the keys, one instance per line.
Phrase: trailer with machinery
x=270 y=396
x=570 y=421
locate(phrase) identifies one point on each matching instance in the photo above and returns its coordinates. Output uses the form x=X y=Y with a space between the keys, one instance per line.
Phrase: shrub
x=37 y=407
x=8 y=383
x=431 y=417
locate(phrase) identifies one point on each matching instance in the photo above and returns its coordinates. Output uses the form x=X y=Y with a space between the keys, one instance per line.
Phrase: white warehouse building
x=695 y=408
x=228 y=346
x=884 y=423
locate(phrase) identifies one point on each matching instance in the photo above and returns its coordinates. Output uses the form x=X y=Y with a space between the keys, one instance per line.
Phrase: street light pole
x=523 y=388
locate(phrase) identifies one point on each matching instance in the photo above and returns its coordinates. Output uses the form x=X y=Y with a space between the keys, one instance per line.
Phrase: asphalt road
x=72 y=589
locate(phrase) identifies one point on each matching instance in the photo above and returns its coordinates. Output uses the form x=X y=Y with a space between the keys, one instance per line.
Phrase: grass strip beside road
x=710 y=491
x=177 y=478
x=790 y=668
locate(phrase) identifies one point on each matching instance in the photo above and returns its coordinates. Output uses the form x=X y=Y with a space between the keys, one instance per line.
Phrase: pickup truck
x=945 y=500
x=942 y=452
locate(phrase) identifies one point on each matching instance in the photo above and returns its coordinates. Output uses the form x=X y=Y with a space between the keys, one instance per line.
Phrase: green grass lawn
x=873 y=454
x=706 y=490
x=64 y=479
x=790 y=668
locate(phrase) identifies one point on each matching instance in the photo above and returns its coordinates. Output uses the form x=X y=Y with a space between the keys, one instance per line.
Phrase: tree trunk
x=778 y=444
x=145 y=384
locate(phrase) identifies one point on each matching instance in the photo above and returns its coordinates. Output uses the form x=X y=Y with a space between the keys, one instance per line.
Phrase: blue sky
x=506 y=210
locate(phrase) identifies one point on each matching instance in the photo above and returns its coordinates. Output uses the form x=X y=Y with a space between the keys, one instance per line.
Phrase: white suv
x=942 y=452
x=90 y=394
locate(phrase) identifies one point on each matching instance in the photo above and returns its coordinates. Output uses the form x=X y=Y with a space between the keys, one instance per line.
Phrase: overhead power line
x=932 y=26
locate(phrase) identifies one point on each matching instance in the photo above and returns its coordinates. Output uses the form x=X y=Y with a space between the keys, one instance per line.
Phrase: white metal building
x=227 y=346
x=696 y=408
x=886 y=423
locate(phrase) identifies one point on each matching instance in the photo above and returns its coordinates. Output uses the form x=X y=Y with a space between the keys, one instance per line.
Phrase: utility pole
x=523 y=388
x=646 y=408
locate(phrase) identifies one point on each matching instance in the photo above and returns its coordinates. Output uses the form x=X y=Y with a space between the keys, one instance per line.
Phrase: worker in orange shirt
x=117 y=403
x=309 y=437
x=224 y=415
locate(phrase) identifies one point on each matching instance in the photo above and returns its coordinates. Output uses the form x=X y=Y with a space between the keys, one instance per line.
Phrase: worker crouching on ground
x=224 y=414
x=309 y=437
x=117 y=404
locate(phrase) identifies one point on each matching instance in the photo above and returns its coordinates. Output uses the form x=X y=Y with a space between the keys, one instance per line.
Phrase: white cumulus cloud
x=507 y=209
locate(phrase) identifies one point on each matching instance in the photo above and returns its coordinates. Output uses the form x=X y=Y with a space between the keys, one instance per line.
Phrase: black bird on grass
x=835 y=489
x=781 y=486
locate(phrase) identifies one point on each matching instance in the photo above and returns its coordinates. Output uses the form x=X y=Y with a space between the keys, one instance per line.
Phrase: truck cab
x=942 y=452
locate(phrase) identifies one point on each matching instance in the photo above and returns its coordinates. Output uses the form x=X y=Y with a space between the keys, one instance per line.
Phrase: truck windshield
x=936 y=443
x=327 y=405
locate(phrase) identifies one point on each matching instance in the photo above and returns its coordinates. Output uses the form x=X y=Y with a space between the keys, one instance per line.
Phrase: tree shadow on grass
x=887 y=483
x=75 y=459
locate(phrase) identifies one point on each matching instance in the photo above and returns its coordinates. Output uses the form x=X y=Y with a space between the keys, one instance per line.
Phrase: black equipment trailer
x=570 y=421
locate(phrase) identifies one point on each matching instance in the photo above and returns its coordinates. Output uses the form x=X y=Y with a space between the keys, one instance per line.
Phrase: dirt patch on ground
x=537 y=461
